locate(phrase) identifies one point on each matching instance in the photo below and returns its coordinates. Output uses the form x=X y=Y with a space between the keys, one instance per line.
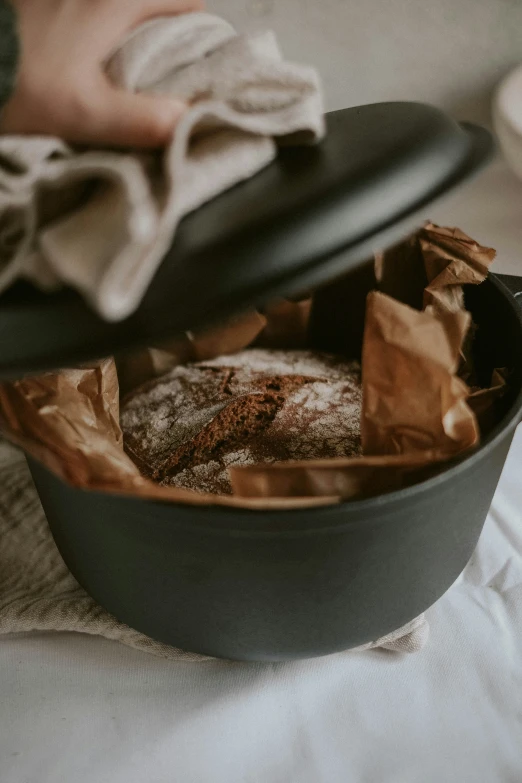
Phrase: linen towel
x=38 y=593
x=101 y=220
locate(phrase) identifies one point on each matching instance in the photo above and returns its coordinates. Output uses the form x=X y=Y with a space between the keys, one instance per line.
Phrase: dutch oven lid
x=312 y=215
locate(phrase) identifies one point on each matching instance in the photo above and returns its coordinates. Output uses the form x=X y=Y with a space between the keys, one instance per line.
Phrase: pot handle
x=513 y=283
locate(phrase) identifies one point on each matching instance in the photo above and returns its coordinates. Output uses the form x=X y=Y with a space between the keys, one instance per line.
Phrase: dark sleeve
x=9 y=50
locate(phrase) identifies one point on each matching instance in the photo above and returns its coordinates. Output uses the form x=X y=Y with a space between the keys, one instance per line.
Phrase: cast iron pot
x=270 y=586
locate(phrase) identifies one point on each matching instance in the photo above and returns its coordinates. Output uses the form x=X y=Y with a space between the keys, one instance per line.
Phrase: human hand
x=61 y=88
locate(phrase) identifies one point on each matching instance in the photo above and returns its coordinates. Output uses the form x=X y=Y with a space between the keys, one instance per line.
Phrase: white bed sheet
x=84 y=710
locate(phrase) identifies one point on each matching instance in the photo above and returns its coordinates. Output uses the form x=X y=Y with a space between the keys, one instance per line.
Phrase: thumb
x=127 y=119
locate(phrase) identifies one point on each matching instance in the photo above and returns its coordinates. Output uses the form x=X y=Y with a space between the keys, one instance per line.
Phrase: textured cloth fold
x=38 y=593
x=101 y=221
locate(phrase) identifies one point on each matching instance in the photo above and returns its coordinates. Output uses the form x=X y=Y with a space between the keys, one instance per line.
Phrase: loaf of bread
x=186 y=428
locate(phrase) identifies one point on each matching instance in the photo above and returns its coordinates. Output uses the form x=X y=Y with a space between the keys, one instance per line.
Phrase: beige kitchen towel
x=100 y=220
x=37 y=592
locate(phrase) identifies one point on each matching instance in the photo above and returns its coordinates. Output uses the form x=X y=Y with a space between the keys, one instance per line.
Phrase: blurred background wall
x=447 y=52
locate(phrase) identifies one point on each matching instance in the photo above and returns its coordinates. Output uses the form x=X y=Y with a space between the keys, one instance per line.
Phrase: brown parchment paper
x=451 y=259
x=429 y=269
x=360 y=477
x=415 y=416
x=418 y=412
x=413 y=400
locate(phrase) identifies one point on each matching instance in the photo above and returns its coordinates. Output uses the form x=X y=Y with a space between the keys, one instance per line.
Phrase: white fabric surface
x=80 y=709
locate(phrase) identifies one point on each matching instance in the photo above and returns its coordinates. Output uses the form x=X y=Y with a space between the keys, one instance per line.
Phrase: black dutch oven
x=278 y=585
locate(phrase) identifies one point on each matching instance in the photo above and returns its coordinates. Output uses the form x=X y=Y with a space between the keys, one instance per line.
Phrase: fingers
x=124 y=119
x=66 y=44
